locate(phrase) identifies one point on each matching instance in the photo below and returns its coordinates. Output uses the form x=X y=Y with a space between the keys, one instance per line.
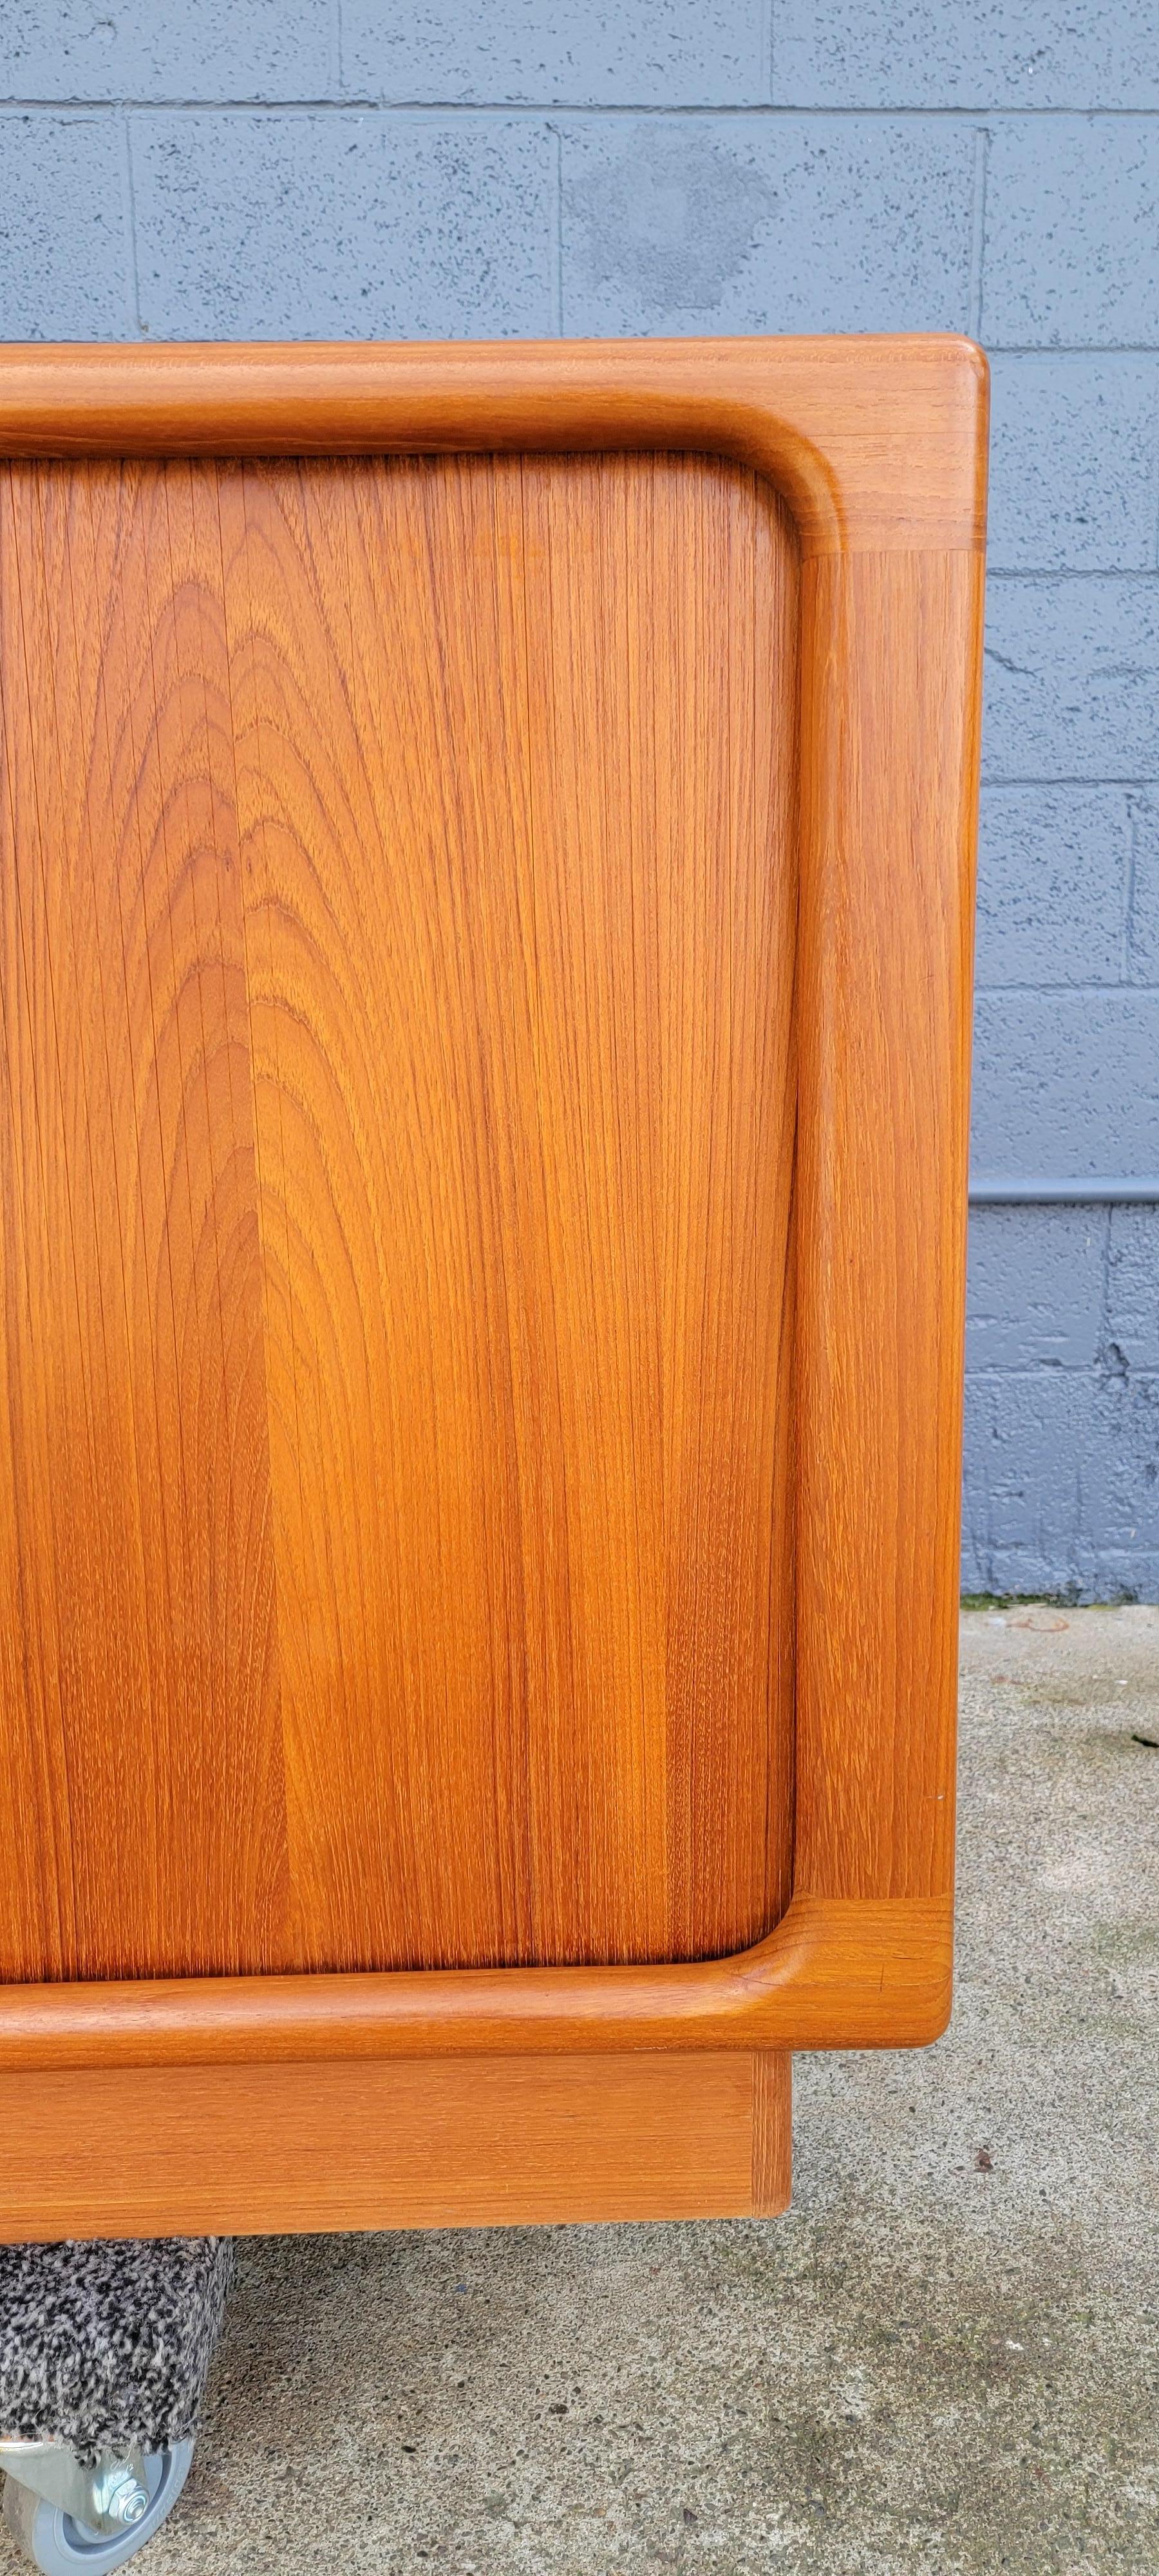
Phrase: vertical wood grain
x=139 y=1814
x=889 y=787
x=520 y=901
x=665 y=779
x=772 y=2152
x=397 y=1102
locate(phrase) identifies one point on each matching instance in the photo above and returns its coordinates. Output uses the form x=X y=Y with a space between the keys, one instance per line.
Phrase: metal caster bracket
x=65 y=2515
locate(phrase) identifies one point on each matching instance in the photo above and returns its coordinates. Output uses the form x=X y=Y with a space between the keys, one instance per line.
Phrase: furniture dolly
x=486 y=854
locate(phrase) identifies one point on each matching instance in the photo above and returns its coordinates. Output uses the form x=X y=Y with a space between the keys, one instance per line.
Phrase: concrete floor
x=944 y=2359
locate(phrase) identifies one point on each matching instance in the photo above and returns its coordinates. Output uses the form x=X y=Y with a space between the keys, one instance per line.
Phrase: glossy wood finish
x=889 y=788
x=838 y=1972
x=520 y=902
x=876 y=444
x=877 y=451
x=141 y=1786
x=456 y=2143
x=401 y=944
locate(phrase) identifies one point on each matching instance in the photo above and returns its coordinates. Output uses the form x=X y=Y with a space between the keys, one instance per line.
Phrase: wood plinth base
x=452 y=2142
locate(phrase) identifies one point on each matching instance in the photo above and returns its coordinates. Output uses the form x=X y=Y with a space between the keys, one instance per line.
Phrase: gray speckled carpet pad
x=103 y=2344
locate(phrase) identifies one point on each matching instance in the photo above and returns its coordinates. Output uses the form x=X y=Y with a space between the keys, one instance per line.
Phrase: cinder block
x=1066 y=1083
x=1054 y=866
x=1072 y=679
x=757 y=224
x=1035 y=1287
x=1062 y=1484
x=348 y=227
x=65 y=256
x=138 y=49
x=933 y=53
x=1072 y=232
x=1074 y=463
x=1117 y=1455
x=637 y=55
x=1021 y=1485
x=1133 y=1288
x=1143 y=909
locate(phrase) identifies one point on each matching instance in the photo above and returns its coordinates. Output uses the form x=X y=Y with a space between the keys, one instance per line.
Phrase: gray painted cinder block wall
x=351 y=168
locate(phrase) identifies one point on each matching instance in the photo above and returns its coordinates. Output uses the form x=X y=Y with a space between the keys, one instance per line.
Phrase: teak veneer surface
x=486 y=906
x=509 y=2142
x=877 y=444
x=397 y=908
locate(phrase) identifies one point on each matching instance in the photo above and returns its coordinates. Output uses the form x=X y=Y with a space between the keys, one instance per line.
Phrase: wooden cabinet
x=486 y=855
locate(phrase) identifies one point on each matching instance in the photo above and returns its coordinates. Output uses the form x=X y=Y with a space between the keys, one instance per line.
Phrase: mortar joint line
x=362 y=104
x=1155 y=471
x=1133 y=802
x=978 y=227
x=558 y=214
x=131 y=215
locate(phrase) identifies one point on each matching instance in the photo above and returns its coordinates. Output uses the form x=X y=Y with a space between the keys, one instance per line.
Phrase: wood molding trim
x=836 y=1973
x=445 y=2142
x=878 y=448
x=873 y=442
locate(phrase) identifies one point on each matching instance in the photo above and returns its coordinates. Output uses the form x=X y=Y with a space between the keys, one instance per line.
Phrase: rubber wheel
x=61 y=2546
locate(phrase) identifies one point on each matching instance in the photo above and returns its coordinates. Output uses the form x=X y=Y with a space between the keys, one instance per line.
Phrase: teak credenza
x=486 y=876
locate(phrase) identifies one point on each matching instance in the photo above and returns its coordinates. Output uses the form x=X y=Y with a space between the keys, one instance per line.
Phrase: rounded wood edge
x=874 y=442
x=879 y=447
x=889 y=787
x=838 y=1972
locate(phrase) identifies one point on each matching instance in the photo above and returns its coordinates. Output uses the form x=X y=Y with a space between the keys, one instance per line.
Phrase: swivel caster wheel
x=60 y=2543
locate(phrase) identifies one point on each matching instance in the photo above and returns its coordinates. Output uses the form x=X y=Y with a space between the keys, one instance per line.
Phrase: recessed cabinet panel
x=398 y=920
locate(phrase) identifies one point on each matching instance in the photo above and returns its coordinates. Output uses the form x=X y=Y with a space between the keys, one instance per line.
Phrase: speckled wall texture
x=344 y=167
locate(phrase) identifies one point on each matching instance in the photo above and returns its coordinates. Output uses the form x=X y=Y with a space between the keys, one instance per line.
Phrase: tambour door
x=398 y=1102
